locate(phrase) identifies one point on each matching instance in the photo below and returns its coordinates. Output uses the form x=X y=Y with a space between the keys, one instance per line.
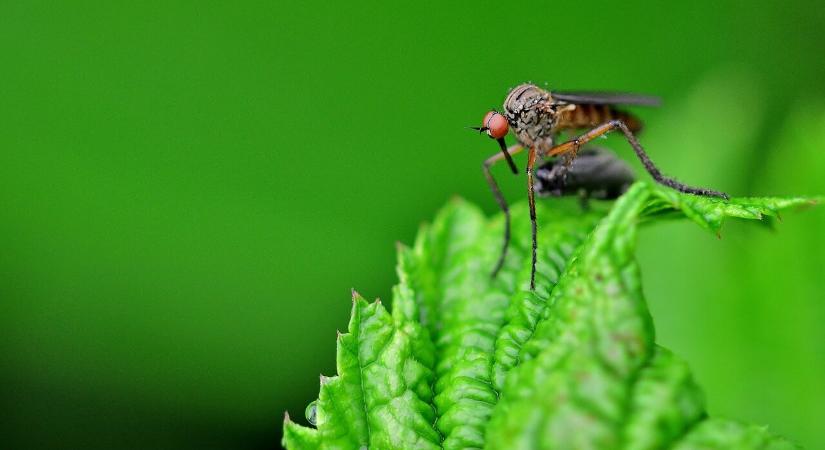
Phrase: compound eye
x=496 y=125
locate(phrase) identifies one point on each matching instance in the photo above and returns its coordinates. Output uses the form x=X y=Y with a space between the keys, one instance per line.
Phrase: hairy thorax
x=529 y=110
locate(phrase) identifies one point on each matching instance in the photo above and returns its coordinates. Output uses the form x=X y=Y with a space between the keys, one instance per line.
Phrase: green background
x=188 y=190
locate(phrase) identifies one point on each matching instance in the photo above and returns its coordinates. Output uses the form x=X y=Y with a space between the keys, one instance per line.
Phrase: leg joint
x=617 y=123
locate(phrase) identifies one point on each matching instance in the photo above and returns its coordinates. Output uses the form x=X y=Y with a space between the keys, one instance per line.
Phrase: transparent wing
x=607 y=98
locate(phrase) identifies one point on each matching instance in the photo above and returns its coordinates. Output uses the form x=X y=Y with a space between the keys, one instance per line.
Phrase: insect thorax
x=531 y=115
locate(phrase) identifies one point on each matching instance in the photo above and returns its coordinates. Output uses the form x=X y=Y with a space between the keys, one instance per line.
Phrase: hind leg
x=572 y=146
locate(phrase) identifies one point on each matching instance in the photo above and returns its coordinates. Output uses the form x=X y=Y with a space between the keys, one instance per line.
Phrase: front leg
x=573 y=145
x=502 y=203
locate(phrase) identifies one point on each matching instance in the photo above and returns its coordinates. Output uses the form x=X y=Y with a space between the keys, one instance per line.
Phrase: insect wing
x=607 y=98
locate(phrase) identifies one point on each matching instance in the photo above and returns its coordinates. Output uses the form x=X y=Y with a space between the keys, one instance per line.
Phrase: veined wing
x=606 y=98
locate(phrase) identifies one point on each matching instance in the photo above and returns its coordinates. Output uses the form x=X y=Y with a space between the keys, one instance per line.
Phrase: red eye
x=496 y=125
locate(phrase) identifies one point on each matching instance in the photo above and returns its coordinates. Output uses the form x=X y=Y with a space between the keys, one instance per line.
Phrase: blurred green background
x=188 y=190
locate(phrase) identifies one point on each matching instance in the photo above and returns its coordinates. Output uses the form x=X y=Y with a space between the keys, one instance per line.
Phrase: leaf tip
x=286 y=417
x=323 y=379
x=355 y=295
x=338 y=334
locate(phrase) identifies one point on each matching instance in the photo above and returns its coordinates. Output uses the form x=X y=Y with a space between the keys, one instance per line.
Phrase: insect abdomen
x=589 y=116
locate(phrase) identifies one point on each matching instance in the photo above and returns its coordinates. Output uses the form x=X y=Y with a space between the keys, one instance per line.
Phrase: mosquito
x=537 y=118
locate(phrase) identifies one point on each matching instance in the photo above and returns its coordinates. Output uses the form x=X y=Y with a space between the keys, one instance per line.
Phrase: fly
x=537 y=118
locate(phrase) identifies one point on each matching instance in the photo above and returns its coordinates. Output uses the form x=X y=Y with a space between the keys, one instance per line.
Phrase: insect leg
x=502 y=203
x=574 y=144
x=531 y=198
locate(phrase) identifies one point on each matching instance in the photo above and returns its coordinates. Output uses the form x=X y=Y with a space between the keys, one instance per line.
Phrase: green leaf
x=381 y=397
x=461 y=313
x=592 y=341
x=666 y=403
x=710 y=212
x=468 y=311
x=467 y=361
x=730 y=435
x=563 y=229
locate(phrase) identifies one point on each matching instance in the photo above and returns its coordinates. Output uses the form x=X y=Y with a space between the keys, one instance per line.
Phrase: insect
x=537 y=118
x=595 y=173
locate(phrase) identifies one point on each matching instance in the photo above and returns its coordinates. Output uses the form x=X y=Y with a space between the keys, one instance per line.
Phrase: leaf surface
x=467 y=361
